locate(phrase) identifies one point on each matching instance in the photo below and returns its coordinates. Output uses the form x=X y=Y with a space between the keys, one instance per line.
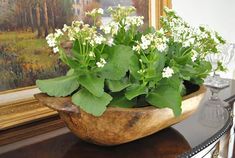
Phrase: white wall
x=217 y=14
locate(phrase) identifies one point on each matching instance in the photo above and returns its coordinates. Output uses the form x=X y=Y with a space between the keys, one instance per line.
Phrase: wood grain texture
x=111 y=128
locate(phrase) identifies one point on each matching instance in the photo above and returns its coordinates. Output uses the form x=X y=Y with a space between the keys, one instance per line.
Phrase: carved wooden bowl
x=119 y=125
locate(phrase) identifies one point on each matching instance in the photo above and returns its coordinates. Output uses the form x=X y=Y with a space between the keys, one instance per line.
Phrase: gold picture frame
x=18 y=106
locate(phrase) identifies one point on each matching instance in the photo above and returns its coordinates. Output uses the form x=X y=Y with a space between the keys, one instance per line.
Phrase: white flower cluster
x=120 y=12
x=111 y=28
x=101 y=63
x=132 y=21
x=202 y=38
x=74 y=29
x=95 y=12
x=84 y=33
x=91 y=54
x=97 y=39
x=52 y=39
x=110 y=42
x=181 y=32
x=167 y=72
x=194 y=56
x=153 y=41
x=205 y=32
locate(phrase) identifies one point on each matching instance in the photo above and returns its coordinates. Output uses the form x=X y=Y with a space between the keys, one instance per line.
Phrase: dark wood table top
x=168 y=143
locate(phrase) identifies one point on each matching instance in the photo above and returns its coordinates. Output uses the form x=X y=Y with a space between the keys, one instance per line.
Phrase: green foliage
x=166 y=96
x=90 y=103
x=118 y=62
x=135 y=90
x=58 y=87
x=117 y=85
x=93 y=84
x=119 y=100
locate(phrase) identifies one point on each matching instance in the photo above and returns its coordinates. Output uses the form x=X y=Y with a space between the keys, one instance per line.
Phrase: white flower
x=65 y=28
x=99 y=39
x=144 y=46
x=91 y=54
x=161 y=31
x=112 y=28
x=106 y=29
x=194 y=57
x=56 y=49
x=101 y=63
x=127 y=27
x=204 y=35
x=132 y=21
x=77 y=23
x=76 y=29
x=100 y=11
x=92 y=43
x=58 y=33
x=167 y=72
x=136 y=48
x=51 y=40
x=145 y=41
x=110 y=42
x=162 y=47
x=141 y=71
x=189 y=42
x=102 y=60
x=115 y=27
x=95 y=11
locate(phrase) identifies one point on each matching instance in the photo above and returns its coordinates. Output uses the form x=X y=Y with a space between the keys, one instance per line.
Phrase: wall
x=218 y=14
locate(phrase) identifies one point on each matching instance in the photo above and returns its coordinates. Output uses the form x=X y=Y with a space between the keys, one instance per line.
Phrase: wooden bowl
x=119 y=125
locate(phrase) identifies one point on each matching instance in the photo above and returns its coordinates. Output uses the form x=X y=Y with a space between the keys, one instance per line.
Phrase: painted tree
x=46 y=25
x=30 y=11
x=38 y=18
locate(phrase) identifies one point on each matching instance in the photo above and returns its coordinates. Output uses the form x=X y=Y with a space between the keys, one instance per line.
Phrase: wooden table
x=190 y=138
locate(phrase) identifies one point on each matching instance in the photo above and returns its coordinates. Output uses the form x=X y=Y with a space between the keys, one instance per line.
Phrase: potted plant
x=124 y=83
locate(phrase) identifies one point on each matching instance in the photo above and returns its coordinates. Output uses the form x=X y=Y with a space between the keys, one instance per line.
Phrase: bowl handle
x=57 y=103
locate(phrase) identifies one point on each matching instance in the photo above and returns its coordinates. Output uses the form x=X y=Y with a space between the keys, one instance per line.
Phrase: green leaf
x=117 y=63
x=155 y=67
x=166 y=96
x=135 y=67
x=174 y=82
x=119 y=100
x=135 y=90
x=183 y=59
x=70 y=72
x=93 y=84
x=90 y=103
x=58 y=87
x=117 y=85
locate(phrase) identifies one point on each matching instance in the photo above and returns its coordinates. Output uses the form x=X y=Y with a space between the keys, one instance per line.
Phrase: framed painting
x=25 y=56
